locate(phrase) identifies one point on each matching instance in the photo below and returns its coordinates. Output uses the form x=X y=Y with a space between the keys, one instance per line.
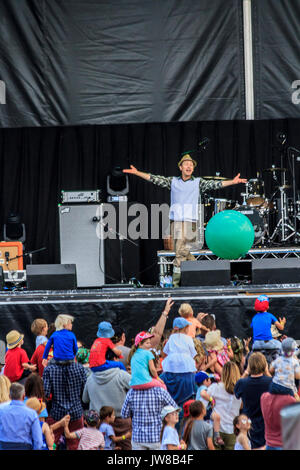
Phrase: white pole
x=248 y=59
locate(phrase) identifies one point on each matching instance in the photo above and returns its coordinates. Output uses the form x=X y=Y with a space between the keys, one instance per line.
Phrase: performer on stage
x=186 y=191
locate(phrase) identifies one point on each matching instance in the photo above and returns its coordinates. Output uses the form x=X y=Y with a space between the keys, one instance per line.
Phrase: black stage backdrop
x=37 y=163
x=233 y=315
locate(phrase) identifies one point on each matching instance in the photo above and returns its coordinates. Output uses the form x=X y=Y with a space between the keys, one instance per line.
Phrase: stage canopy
x=81 y=62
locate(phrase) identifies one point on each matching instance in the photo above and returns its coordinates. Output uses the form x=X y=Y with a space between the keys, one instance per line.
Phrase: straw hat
x=13 y=338
x=36 y=404
x=186 y=157
x=213 y=340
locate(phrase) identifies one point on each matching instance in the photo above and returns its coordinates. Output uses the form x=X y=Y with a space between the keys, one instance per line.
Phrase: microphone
x=281 y=137
x=203 y=142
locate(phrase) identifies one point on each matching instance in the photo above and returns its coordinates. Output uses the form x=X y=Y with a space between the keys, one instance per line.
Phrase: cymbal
x=275 y=169
x=214 y=178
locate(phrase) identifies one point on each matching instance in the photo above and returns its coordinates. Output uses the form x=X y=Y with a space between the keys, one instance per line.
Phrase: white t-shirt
x=180 y=352
x=170 y=436
x=227 y=406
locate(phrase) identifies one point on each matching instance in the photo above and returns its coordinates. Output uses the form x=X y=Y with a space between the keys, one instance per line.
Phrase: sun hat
x=167 y=410
x=180 y=323
x=141 y=336
x=201 y=376
x=186 y=408
x=261 y=303
x=213 y=340
x=289 y=346
x=186 y=157
x=36 y=404
x=105 y=330
x=13 y=338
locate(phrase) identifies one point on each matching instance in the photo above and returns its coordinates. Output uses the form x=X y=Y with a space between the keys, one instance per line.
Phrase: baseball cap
x=180 y=323
x=201 y=376
x=186 y=408
x=167 y=410
x=141 y=336
x=289 y=345
x=261 y=303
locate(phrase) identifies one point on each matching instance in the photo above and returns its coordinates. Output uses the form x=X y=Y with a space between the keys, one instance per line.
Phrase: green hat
x=83 y=355
x=186 y=157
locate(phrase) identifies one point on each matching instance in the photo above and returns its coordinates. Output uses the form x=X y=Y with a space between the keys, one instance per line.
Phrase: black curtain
x=37 y=163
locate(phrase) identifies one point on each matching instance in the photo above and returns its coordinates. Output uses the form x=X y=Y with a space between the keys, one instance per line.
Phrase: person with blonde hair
x=63 y=340
x=227 y=406
x=186 y=311
x=5 y=384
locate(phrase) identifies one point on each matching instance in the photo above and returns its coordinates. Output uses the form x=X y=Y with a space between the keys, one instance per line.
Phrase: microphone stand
x=291 y=153
x=28 y=253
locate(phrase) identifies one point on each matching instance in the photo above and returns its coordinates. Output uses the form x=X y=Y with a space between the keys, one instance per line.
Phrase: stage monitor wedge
x=276 y=271
x=205 y=273
x=51 y=277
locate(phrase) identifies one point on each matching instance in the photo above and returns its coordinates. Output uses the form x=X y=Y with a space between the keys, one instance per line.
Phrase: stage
x=138 y=308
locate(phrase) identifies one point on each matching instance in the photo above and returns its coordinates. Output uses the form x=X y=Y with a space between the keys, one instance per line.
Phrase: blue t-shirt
x=64 y=345
x=140 y=373
x=107 y=431
x=261 y=325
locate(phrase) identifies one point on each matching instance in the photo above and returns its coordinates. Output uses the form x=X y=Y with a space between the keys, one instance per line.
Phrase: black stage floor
x=137 y=309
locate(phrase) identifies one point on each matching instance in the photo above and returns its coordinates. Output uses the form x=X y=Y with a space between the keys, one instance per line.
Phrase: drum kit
x=274 y=219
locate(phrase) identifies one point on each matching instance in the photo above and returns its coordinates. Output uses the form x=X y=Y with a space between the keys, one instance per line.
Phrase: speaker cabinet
x=11 y=256
x=276 y=271
x=51 y=276
x=81 y=244
x=205 y=273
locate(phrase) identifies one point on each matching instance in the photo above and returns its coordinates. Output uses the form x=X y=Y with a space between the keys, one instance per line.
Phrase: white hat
x=167 y=410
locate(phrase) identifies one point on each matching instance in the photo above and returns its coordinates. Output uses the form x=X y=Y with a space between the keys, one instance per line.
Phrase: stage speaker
x=205 y=273
x=276 y=271
x=81 y=243
x=51 y=277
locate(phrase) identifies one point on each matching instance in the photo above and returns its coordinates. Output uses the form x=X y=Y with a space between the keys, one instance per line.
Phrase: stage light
x=14 y=229
x=117 y=185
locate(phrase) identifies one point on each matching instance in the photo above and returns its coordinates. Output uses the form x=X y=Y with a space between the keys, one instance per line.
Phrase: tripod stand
x=284 y=225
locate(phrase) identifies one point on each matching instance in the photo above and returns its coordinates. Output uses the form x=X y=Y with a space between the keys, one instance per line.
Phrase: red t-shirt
x=14 y=358
x=270 y=407
x=98 y=351
x=37 y=358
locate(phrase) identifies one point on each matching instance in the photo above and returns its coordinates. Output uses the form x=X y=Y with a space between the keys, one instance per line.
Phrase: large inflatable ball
x=229 y=234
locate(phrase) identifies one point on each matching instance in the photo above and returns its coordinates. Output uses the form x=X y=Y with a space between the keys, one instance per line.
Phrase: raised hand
x=238 y=180
x=132 y=170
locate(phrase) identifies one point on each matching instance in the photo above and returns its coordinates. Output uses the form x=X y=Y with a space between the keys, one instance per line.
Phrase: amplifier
x=68 y=197
x=11 y=256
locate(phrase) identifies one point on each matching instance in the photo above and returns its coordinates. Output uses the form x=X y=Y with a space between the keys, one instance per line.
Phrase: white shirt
x=227 y=406
x=180 y=352
x=170 y=436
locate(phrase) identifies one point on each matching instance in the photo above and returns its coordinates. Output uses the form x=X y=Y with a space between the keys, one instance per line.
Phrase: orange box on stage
x=11 y=256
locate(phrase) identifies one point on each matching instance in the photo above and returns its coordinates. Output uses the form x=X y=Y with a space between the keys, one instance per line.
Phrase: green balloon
x=229 y=234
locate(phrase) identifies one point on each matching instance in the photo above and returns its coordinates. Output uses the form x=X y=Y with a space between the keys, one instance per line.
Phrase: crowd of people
x=187 y=388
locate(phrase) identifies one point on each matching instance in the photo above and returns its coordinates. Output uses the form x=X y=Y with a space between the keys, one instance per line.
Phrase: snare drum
x=257 y=219
x=222 y=205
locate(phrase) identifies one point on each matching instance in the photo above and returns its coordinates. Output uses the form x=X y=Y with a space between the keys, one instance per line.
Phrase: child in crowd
x=107 y=417
x=241 y=426
x=90 y=437
x=286 y=370
x=208 y=323
x=39 y=328
x=143 y=371
x=97 y=359
x=40 y=407
x=169 y=436
x=186 y=415
x=83 y=356
x=218 y=353
x=17 y=366
x=198 y=434
x=63 y=341
x=203 y=380
x=185 y=310
x=261 y=325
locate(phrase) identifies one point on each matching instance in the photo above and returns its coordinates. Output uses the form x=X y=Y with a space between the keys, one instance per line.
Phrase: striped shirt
x=90 y=439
